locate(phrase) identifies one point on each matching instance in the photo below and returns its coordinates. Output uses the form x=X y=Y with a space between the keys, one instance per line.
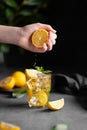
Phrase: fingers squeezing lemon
x=39 y=37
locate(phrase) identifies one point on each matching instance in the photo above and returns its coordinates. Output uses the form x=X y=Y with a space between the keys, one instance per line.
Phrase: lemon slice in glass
x=29 y=89
x=56 y=105
x=38 y=99
x=7 y=83
x=39 y=37
x=42 y=98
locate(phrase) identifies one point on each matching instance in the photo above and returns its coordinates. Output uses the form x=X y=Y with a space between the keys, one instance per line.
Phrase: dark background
x=69 y=18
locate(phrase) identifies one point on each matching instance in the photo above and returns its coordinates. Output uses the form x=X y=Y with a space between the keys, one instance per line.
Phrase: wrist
x=9 y=34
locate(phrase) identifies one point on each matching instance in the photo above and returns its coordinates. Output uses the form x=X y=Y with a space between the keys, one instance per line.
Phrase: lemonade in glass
x=39 y=87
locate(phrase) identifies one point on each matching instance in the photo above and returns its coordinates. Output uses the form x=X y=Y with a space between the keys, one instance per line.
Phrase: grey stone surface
x=16 y=111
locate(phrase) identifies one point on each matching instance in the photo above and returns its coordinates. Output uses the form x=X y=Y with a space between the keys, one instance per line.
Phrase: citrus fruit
x=56 y=105
x=8 y=126
x=38 y=99
x=42 y=98
x=39 y=37
x=29 y=90
x=32 y=73
x=20 y=78
x=7 y=83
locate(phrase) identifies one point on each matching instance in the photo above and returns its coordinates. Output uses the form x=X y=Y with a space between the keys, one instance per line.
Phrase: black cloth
x=74 y=84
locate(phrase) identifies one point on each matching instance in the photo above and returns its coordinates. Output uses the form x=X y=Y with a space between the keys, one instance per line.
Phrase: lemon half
x=39 y=37
x=7 y=83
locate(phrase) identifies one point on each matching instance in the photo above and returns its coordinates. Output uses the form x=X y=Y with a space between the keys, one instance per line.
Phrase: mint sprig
x=18 y=93
x=41 y=69
x=60 y=127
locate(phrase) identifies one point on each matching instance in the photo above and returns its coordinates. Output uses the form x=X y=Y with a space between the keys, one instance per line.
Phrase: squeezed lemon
x=39 y=37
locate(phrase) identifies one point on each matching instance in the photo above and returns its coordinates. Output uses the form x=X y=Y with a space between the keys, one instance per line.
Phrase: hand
x=26 y=34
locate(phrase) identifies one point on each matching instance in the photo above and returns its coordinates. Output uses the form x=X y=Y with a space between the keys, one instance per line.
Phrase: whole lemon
x=20 y=78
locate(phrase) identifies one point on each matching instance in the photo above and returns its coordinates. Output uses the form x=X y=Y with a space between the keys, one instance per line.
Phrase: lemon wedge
x=39 y=37
x=56 y=105
x=32 y=73
x=8 y=126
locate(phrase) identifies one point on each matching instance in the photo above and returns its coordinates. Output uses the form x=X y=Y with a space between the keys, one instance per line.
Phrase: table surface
x=17 y=111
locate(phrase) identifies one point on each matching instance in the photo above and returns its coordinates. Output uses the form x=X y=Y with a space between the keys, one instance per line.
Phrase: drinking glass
x=39 y=89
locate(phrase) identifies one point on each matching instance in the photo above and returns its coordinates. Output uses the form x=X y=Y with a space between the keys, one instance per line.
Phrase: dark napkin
x=74 y=84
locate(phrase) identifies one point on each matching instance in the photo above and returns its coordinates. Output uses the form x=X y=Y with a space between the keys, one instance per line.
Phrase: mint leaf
x=60 y=127
x=41 y=69
x=19 y=93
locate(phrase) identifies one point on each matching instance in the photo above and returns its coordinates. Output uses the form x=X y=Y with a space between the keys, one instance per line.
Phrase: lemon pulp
x=39 y=37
